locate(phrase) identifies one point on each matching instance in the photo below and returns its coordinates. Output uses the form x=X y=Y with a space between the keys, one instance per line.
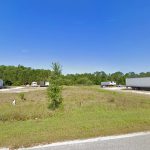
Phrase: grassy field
x=87 y=111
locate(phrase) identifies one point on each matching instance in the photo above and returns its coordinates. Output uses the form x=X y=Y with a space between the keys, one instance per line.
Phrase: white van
x=34 y=84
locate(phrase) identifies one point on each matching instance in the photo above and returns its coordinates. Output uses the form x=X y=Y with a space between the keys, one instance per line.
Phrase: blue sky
x=82 y=35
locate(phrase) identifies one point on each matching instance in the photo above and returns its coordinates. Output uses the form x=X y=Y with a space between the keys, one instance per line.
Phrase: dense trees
x=118 y=77
x=21 y=75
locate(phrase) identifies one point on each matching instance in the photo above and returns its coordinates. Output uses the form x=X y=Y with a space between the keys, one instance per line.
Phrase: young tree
x=55 y=89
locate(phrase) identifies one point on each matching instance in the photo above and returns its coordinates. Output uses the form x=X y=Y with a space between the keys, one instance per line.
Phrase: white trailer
x=1 y=84
x=107 y=84
x=138 y=83
x=44 y=84
x=47 y=83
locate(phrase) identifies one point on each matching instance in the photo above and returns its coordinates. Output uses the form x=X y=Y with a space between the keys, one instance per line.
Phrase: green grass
x=87 y=112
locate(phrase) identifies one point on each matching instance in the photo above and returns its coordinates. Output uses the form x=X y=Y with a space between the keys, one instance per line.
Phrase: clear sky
x=82 y=35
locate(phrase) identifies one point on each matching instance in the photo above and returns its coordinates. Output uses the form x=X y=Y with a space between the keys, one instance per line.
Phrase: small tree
x=54 y=89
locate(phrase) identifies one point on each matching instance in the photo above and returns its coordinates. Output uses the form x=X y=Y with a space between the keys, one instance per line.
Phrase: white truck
x=1 y=84
x=108 y=84
x=34 y=84
x=44 y=84
x=138 y=83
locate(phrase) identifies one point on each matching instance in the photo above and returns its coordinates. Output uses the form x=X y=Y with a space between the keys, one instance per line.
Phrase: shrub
x=54 y=90
x=22 y=96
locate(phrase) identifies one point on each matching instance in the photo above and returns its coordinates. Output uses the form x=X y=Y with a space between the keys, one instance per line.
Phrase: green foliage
x=66 y=81
x=7 y=82
x=17 y=83
x=84 y=81
x=100 y=77
x=55 y=90
x=21 y=75
x=118 y=77
x=54 y=94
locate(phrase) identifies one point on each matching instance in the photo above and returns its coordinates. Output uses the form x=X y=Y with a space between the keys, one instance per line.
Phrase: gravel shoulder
x=123 y=89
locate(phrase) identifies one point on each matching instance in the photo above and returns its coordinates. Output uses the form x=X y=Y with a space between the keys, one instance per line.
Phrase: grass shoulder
x=87 y=112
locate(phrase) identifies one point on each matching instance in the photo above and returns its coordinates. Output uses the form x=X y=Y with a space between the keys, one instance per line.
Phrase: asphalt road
x=133 y=142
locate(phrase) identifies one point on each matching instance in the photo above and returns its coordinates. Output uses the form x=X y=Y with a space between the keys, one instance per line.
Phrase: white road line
x=89 y=140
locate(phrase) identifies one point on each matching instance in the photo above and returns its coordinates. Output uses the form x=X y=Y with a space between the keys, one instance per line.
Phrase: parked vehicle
x=138 y=83
x=44 y=84
x=1 y=84
x=120 y=85
x=108 y=84
x=34 y=84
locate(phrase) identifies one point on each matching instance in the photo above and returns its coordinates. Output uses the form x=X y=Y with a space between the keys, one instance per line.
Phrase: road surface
x=137 y=141
x=21 y=89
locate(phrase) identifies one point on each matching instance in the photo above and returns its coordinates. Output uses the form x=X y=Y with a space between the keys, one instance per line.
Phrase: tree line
x=20 y=75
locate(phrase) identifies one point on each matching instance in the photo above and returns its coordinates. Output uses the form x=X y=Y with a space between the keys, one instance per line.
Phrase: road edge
x=104 y=138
